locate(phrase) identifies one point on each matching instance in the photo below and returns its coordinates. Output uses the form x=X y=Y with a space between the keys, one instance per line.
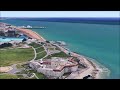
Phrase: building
x=55 y=67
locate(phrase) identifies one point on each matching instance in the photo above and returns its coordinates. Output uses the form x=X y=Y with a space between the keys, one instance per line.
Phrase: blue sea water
x=95 y=40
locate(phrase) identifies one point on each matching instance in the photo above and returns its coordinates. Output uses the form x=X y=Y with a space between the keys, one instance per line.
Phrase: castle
x=55 y=67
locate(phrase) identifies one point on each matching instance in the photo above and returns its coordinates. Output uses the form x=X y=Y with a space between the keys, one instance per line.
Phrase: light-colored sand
x=31 y=34
x=5 y=69
x=86 y=72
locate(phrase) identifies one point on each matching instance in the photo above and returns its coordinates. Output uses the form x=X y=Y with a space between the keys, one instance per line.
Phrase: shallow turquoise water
x=97 y=41
x=10 y=39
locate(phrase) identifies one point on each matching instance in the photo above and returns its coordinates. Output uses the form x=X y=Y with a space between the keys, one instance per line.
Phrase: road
x=34 y=53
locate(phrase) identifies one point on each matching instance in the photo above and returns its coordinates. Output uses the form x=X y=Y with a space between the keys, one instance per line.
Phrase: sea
x=95 y=38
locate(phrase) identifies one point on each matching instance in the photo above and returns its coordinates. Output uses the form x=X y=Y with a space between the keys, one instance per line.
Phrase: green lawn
x=61 y=54
x=19 y=66
x=13 y=56
x=39 y=49
x=57 y=48
x=21 y=77
x=40 y=55
x=39 y=75
x=35 y=45
x=8 y=76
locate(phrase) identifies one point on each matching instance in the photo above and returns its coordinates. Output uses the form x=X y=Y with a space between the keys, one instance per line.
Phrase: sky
x=60 y=14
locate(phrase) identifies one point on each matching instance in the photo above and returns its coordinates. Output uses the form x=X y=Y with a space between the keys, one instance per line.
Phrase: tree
x=47 y=41
x=5 y=45
x=24 y=39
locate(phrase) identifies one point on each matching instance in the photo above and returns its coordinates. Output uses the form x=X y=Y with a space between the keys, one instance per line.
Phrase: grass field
x=8 y=76
x=40 y=55
x=39 y=49
x=61 y=54
x=35 y=45
x=39 y=75
x=13 y=56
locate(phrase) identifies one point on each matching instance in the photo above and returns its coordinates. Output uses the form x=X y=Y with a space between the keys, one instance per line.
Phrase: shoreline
x=93 y=68
x=102 y=71
x=31 y=34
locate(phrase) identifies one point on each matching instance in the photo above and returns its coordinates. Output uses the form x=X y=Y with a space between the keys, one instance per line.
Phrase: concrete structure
x=54 y=67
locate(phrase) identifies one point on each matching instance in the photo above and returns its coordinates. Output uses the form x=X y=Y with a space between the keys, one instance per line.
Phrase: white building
x=28 y=26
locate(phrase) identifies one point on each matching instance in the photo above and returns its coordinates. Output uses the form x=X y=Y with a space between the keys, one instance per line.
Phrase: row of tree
x=5 y=45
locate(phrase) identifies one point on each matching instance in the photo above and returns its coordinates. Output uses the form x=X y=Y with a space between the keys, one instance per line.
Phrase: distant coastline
x=107 y=21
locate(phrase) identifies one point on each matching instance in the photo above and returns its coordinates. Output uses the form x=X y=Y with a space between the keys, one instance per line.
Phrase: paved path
x=34 y=53
x=46 y=52
x=35 y=75
x=40 y=52
x=14 y=70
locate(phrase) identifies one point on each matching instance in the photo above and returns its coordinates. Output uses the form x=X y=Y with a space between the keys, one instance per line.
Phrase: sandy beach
x=31 y=34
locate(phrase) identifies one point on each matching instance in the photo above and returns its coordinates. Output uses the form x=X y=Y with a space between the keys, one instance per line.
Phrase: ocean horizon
x=96 y=39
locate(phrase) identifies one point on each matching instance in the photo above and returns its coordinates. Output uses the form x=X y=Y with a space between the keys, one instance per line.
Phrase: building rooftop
x=56 y=63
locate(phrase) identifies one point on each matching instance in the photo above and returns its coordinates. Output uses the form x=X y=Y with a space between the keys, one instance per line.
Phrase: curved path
x=34 y=53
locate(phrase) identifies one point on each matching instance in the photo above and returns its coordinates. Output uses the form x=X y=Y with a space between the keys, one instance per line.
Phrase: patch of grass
x=51 y=48
x=48 y=57
x=32 y=71
x=39 y=49
x=1 y=72
x=35 y=45
x=21 y=77
x=19 y=66
x=5 y=48
x=22 y=72
x=40 y=55
x=61 y=54
x=8 y=76
x=40 y=75
x=13 y=56
x=57 y=48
